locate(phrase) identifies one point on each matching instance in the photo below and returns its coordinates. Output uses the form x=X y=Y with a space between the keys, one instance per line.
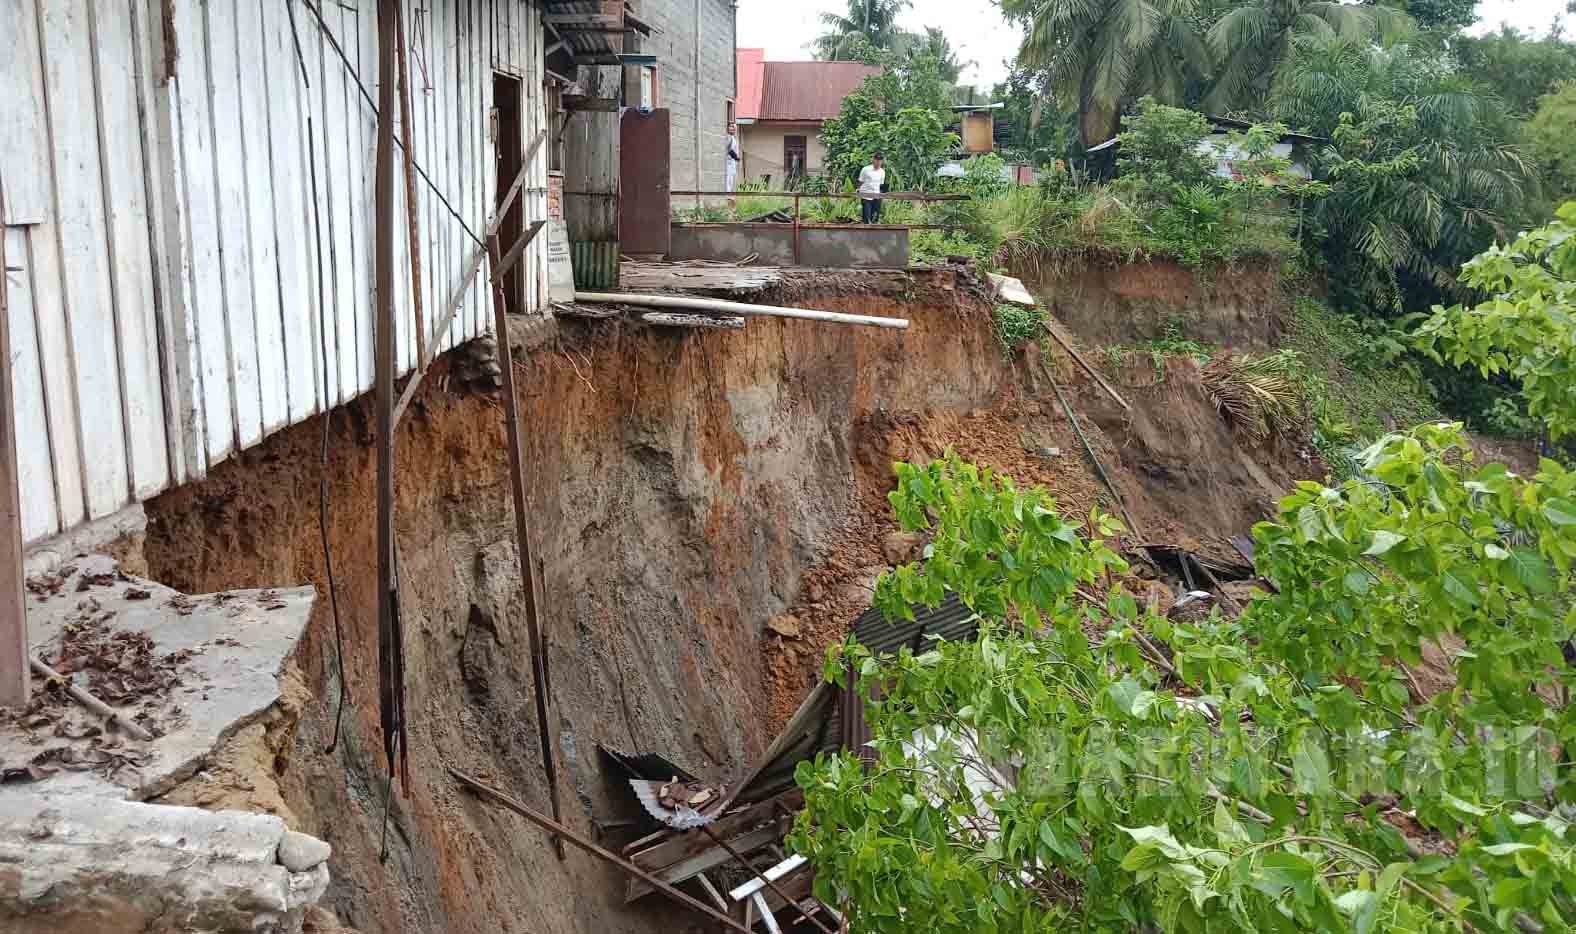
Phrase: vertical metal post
x=411 y=209
x=796 y=228
x=391 y=687
x=13 y=608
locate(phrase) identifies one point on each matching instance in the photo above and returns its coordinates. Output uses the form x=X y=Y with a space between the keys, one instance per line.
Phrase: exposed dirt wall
x=681 y=485
x=1111 y=302
x=687 y=487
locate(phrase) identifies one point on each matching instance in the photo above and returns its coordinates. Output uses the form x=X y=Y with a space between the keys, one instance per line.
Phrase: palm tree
x=1424 y=174
x=1097 y=55
x=1253 y=42
x=933 y=42
x=869 y=24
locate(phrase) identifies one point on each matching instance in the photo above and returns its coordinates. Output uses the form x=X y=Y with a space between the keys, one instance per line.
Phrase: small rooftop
x=799 y=92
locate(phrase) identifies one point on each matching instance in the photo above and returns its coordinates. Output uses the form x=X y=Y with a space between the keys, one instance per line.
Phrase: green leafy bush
x=1016 y=325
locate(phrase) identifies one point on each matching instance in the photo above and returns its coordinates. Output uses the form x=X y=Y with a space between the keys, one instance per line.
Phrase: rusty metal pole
x=796 y=228
x=391 y=687
x=13 y=608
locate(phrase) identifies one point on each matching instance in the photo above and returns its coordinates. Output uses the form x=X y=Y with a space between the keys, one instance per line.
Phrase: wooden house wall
x=164 y=249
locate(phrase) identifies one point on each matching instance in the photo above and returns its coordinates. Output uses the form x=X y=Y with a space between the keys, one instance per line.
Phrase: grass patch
x=1016 y=325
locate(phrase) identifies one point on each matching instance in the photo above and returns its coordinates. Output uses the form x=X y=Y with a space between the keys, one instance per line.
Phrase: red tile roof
x=752 y=64
x=809 y=91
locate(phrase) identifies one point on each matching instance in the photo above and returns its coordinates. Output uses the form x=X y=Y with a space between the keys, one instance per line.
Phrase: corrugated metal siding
x=161 y=231
x=951 y=620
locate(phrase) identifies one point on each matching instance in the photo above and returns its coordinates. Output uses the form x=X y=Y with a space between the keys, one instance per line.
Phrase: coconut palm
x=1098 y=55
x=870 y=25
x=1253 y=42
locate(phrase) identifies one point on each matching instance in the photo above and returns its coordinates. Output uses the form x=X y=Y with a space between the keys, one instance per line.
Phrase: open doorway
x=509 y=139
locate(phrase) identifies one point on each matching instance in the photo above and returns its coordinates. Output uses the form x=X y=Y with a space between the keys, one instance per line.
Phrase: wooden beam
x=391 y=662
x=520 y=243
x=579 y=102
x=13 y=606
x=559 y=830
x=709 y=858
x=522 y=530
x=474 y=263
x=585 y=22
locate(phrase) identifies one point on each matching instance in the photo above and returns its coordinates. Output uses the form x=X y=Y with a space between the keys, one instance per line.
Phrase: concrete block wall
x=678 y=25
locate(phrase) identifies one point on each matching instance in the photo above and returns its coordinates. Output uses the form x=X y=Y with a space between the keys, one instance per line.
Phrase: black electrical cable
x=322 y=474
x=356 y=77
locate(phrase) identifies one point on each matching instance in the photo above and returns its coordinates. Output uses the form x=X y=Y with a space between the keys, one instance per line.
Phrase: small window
x=796 y=151
x=728 y=121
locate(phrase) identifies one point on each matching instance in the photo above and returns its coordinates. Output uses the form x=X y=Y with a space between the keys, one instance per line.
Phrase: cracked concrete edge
x=111 y=866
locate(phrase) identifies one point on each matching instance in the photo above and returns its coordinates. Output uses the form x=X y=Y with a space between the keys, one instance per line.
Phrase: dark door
x=645 y=210
x=506 y=108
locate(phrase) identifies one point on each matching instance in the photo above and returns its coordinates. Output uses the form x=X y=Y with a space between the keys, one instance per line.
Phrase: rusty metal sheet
x=645 y=211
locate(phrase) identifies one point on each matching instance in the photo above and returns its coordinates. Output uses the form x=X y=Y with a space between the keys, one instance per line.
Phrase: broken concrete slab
x=192 y=670
x=1009 y=289
x=109 y=866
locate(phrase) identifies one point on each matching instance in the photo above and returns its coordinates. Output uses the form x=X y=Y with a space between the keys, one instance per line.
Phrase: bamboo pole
x=735 y=308
x=1088 y=369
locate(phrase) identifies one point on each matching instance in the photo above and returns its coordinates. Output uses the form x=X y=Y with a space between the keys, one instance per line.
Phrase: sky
x=785 y=28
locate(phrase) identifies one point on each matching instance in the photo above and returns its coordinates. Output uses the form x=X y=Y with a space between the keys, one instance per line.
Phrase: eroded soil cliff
x=687 y=488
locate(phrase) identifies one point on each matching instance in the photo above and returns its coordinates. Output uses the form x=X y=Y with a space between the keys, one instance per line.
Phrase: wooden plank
x=83 y=234
x=464 y=158
x=34 y=473
x=410 y=338
x=13 y=606
x=257 y=142
x=335 y=125
x=361 y=39
x=293 y=241
x=314 y=47
x=235 y=242
x=24 y=139
x=584 y=22
x=709 y=858
x=677 y=845
x=1093 y=373
x=131 y=260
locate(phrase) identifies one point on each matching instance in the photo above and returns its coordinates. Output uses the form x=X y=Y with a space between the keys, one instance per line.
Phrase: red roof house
x=781 y=107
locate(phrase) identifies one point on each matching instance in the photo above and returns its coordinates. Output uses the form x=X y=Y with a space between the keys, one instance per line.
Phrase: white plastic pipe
x=736 y=308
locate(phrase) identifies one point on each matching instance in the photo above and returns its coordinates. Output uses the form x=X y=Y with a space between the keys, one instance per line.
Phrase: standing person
x=872 y=181
x=730 y=169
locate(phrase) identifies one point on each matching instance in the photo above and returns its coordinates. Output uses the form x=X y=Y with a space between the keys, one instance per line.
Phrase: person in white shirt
x=872 y=179
x=730 y=170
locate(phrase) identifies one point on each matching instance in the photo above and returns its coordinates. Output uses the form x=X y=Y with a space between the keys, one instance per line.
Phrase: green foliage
x=1440 y=15
x=868 y=28
x=1160 y=146
x=1421 y=169
x=1035 y=131
x=1527 y=330
x=1097 y=56
x=1359 y=378
x=1016 y=325
x=1517 y=68
x=1062 y=772
x=1255 y=41
x=1551 y=142
x=900 y=113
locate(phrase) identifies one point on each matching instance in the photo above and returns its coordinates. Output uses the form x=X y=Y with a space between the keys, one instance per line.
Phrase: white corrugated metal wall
x=161 y=232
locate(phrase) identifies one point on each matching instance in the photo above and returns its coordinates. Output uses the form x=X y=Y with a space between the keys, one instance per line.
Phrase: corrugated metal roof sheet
x=809 y=91
x=832 y=718
x=752 y=67
x=589 y=42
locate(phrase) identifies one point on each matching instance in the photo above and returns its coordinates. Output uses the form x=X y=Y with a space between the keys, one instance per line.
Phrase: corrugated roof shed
x=752 y=65
x=809 y=92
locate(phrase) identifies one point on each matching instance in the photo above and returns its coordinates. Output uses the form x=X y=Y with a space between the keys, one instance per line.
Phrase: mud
x=686 y=488
x=1119 y=302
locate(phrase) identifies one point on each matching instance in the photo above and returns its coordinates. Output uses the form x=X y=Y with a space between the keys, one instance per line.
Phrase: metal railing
x=798 y=196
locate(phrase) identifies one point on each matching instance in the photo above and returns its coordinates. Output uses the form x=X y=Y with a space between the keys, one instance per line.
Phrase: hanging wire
x=322 y=473
x=356 y=76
